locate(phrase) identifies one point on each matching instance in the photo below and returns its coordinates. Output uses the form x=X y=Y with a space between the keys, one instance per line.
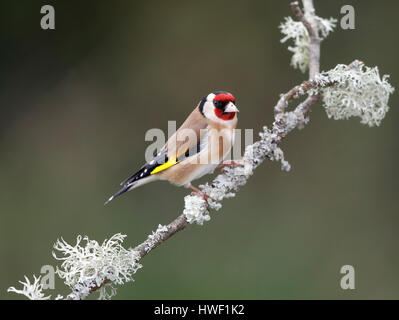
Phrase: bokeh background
x=76 y=103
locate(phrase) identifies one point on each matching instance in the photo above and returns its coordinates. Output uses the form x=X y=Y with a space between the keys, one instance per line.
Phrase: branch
x=175 y=226
x=310 y=23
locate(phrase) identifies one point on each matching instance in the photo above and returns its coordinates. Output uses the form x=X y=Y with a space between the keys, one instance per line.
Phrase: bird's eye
x=218 y=104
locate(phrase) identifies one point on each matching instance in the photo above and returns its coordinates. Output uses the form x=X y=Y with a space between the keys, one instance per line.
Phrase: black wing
x=146 y=170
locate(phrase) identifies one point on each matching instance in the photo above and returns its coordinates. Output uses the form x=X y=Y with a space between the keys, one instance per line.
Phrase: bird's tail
x=121 y=191
x=130 y=186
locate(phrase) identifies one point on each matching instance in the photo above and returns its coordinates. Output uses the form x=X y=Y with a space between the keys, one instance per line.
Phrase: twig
x=308 y=19
x=175 y=226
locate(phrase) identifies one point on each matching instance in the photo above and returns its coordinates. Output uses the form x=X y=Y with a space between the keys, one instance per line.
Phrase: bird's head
x=219 y=106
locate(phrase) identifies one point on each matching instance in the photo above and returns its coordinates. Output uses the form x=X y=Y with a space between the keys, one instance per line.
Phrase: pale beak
x=231 y=107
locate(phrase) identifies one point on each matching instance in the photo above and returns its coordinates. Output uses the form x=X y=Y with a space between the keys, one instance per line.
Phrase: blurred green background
x=76 y=103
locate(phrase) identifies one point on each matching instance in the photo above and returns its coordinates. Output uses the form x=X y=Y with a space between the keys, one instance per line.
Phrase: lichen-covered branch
x=346 y=90
x=313 y=29
x=307 y=33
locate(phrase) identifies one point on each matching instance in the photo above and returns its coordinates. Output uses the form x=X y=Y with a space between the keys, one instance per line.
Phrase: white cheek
x=210 y=97
x=210 y=113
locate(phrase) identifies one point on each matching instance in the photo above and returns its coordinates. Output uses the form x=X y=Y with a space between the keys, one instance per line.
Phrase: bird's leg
x=231 y=164
x=200 y=193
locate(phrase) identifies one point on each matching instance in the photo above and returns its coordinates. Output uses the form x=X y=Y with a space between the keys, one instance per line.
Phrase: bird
x=197 y=148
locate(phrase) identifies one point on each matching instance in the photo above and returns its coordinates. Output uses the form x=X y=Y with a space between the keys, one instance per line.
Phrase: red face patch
x=224 y=116
x=225 y=97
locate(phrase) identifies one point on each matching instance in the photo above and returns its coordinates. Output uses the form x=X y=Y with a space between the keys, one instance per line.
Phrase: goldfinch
x=195 y=149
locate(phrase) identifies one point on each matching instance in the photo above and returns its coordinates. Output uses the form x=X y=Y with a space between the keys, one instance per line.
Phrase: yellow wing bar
x=166 y=165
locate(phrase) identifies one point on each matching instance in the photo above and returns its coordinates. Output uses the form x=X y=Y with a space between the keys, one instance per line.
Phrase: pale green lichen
x=87 y=266
x=359 y=91
x=33 y=291
x=195 y=210
x=296 y=31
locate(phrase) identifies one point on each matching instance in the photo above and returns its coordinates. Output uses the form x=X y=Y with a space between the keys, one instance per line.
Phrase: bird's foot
x=202 y=194
x=231 y=164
